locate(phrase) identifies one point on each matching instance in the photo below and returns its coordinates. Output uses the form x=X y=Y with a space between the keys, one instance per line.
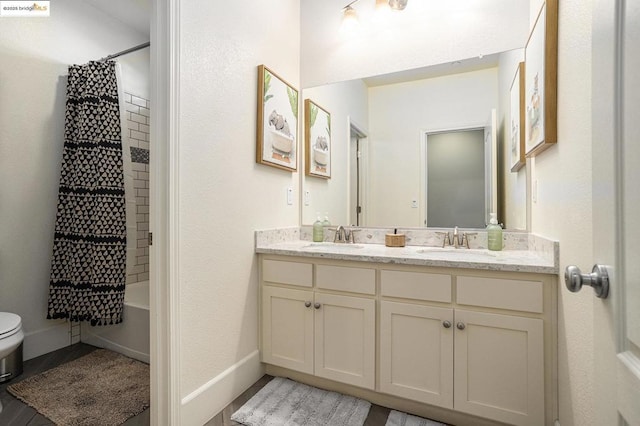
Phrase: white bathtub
x=131 y=337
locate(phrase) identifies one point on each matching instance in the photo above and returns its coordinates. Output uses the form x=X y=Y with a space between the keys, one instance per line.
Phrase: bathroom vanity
x=461 y=336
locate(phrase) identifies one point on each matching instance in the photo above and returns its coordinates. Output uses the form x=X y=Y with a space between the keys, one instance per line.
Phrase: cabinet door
x=345 y=339
x=287 y=328
x=416 y=352
x=499 y=367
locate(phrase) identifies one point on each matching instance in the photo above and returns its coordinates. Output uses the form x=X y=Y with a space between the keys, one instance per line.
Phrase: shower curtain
x=88 y=266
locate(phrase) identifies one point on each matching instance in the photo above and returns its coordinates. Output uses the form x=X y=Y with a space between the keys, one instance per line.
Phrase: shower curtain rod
x=124 y=52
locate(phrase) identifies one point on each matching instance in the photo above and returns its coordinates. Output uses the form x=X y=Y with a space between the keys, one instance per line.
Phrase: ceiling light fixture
x=349 y=18
x=398 y=4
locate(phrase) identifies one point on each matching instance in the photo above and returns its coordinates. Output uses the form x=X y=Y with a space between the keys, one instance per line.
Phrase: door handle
x=574 y=279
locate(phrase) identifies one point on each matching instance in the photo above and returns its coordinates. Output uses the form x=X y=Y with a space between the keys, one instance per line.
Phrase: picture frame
x=317 y=140
x=277 y=124
x=541 y=81
x=517 y=109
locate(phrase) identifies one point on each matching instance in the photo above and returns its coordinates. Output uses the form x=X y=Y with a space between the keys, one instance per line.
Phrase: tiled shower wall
x=138 y=132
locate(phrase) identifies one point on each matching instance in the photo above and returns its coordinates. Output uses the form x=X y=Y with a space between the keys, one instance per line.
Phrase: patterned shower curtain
x=88 y=266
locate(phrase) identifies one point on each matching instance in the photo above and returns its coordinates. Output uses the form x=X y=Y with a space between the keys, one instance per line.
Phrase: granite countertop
x=537 y=257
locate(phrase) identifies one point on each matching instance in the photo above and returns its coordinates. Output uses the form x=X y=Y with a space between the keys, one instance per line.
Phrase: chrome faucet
x=343 y=234
x=457 y=240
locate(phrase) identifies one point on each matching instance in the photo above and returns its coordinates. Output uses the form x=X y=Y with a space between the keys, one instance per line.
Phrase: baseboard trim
x=42 y=342
x=204 y=403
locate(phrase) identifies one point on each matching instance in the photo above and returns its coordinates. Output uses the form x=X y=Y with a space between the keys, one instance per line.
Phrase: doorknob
x=598 y=279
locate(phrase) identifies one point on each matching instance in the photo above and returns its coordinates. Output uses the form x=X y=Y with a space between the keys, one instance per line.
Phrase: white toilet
x=11 y=337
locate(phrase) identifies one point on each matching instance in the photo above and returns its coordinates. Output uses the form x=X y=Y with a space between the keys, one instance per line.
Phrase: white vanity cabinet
x=318 y=332
x=464 y=355
x=475 y=343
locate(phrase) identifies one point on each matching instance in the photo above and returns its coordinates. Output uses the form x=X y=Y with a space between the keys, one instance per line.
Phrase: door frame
x=164 y=300
x=424 y=134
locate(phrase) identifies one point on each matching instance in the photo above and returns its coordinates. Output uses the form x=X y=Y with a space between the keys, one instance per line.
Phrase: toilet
x=11 y=337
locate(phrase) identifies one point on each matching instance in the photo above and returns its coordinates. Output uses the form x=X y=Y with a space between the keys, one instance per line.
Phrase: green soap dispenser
x=494 y=234
x=318 y=230
x=326 y=221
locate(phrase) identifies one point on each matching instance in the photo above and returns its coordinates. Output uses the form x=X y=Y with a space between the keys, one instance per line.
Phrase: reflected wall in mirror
x=436 y=77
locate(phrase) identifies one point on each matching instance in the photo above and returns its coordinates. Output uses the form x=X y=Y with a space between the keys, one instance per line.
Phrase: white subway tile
x=143 y=227
x=143 y=277
x=143 y=175
x=138 y=118
x=142 y=209
x=138 y=135
x=143 y=145
x=144 y=111
x=139 y=101
x=127 y=97
x=132 y=108
x=140 y=218
x=142 y=192
x=132 y=125
x=143 y=242
x=139 y=167
x=139 y=183
x=144 y=128
x=141 y=260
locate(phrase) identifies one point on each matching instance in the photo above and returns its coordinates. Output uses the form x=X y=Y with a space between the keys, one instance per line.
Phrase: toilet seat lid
x=9 y=322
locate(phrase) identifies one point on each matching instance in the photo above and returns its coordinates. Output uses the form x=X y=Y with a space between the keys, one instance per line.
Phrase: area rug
x=102 y=388
x=283 y=402
x=397 y=418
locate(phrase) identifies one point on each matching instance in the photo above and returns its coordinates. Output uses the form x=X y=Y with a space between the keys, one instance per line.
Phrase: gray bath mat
x=102 y=388
x=396 y=418
x=283 y=402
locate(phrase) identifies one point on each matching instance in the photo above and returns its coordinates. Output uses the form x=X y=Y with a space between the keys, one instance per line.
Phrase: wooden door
x=499 y=367
x=416 y=352
x=345 y=339
x=287 y=328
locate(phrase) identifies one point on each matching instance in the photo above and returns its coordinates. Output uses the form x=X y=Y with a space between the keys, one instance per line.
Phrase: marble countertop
x=507 y=260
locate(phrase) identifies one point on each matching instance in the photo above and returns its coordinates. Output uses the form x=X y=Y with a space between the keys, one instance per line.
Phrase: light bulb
x=398 y=4
x=349 y=19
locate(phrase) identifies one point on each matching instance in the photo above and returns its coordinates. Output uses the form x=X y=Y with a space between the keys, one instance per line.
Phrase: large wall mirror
x=383 y=123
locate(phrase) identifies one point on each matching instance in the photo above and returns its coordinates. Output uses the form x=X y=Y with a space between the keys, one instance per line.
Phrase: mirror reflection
x=383 y=128
x=435 y=66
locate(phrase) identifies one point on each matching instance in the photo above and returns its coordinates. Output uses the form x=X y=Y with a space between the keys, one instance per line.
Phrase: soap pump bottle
x=318 y=230
x=494 y=234
x=326 y=222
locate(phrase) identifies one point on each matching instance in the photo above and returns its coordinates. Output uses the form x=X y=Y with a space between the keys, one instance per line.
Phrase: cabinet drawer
x=341 y=278
x=282 y=272
x=497 y=293
x=416 y=285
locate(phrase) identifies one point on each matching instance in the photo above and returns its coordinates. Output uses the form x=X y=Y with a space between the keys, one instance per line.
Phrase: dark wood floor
x=16 y=413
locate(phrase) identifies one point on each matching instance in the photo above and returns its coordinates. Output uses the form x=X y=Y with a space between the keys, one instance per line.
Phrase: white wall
x=224 y=195
x=563 y=209
x=425 y=33
x=514 y=184
x=398 y=114
x=34 y=56
x=345 y=101
x=135 y=71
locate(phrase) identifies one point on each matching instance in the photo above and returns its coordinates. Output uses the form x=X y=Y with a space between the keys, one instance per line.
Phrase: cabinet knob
x=446 y=324
x=460 y=326
x=307 y=304
x=317 y=305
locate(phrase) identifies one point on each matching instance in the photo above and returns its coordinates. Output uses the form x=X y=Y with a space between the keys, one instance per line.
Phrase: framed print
x=317 y=134
x=516 y=139
x=277 y=131
x=541 y=73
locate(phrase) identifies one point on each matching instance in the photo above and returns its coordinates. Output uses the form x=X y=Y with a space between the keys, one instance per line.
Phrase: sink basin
x=333 y=246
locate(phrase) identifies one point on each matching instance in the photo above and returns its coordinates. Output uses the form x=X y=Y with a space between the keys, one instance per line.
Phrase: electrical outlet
x=307 y=197
x=290 y=196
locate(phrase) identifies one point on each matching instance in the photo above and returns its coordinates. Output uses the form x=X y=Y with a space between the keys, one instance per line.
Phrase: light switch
x=307 y=197
x=290 y=196
x=414 y=204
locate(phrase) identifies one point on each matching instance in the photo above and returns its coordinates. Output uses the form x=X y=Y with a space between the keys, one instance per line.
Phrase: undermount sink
x=333 y=246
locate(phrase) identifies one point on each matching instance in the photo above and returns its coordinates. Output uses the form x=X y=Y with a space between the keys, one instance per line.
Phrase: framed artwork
x=277 y=132
x=541 y=75
x=516 y=138
x=317 y=134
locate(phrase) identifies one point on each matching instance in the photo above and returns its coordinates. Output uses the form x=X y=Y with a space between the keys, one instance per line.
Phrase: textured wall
x=563 y=209
x=224 y=195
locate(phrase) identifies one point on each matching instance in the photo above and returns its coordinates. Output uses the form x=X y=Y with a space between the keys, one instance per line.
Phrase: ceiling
x=135 y=14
